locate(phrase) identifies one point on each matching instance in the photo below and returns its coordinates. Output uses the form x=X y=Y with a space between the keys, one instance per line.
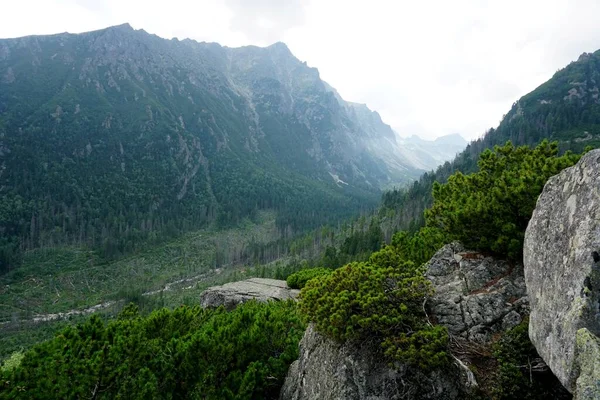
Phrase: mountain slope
x=429 y=154
x=116 y=136
x=566 y=108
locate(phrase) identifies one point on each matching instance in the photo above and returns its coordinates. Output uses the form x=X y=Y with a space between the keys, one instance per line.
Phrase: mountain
x=429 y=154
x=113 y=137
x=566 y=108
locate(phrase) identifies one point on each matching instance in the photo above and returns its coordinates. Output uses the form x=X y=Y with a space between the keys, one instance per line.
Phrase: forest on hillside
x=564 y=109
x=136 y=172
x=193 y=353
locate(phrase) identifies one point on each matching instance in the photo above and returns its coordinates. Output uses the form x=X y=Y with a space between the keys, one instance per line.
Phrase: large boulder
x=562 y=273
x=475 y=295
x=587 y=386
x=327 y=370
x=234 y=293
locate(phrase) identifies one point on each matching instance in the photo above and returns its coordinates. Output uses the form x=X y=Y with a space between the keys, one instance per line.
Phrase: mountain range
x=116 y=136
x=429 y=154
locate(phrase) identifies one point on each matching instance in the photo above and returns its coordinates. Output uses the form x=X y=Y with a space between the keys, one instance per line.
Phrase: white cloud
x=429 y=68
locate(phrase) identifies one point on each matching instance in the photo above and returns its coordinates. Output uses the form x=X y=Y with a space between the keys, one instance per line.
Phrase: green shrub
x=12 y=362
x=514 y=353
x=490 y=209
x=298 y=279
x=184 y=353
x=420 y=246
x=380 y=299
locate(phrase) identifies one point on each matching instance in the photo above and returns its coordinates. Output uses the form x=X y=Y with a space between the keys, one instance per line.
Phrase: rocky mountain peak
x=281 y=48
x=584 y=57
x=122 y=27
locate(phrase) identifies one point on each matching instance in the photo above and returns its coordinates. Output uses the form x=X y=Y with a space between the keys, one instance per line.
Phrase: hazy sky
x=428 y=67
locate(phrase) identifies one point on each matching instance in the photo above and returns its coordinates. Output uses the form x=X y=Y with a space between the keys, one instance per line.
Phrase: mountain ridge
x=114 y=136
x=566 y=108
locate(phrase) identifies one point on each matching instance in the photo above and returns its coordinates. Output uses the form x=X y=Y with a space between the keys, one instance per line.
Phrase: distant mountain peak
x=124 y=27
x=279 y=45
x=428 y=154
x=452 y=137
x=281 y=49
x=584 y=57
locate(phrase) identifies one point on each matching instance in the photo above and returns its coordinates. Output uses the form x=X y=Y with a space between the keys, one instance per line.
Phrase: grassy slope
x=63 y=279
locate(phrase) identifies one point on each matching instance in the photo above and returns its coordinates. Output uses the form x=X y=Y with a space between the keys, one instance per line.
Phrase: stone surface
x=234 y=293
x=475 y=296
x=563 y=280
x=327 y=370
x=588 y=360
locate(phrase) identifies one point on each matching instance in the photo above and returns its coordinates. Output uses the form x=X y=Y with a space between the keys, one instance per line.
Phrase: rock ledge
x=234 y=293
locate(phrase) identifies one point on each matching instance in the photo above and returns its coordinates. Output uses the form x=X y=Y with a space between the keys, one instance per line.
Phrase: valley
x=136 y=172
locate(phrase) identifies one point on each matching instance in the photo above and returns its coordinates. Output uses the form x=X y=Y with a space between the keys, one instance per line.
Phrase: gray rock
x=234 y=293
x=327 y=370
x=587 y=386
x=563 y=281
x=475 y=296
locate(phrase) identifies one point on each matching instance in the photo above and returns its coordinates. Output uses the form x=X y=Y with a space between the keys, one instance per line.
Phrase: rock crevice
x=475 y=295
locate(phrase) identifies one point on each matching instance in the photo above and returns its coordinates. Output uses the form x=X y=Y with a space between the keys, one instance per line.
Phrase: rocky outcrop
x=587 y=351
x=234 y=293
x=562 y=273
x=327 y=370
x=475 y=296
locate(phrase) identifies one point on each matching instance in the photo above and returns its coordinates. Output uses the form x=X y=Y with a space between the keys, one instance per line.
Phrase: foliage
x=489 y=210
x=381 y=300
x=420 y=246
x=12 y=362
x=514 y=353
x=363 y=241
x=118 y=166
x=299 y=279
x=184 y=353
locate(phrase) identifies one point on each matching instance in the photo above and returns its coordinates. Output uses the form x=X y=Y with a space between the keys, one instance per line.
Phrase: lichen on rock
x=588 y=361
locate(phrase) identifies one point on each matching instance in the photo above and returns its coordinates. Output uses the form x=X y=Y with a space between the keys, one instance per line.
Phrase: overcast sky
x=428 y=67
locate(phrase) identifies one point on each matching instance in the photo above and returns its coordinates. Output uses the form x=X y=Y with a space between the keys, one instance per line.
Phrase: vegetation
x=92 y=198
x=64 y=278
x=298 y=280
x=489 y=210
x=184 y=353
x=116 y=167
x=380 y=300
x=516 y=356
x=12 y=362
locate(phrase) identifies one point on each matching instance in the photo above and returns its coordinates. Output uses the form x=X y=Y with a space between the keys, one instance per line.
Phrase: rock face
x=562 y=274
x=587 y=386
x=327 y=370
x=234 y=293
x=475 y=296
